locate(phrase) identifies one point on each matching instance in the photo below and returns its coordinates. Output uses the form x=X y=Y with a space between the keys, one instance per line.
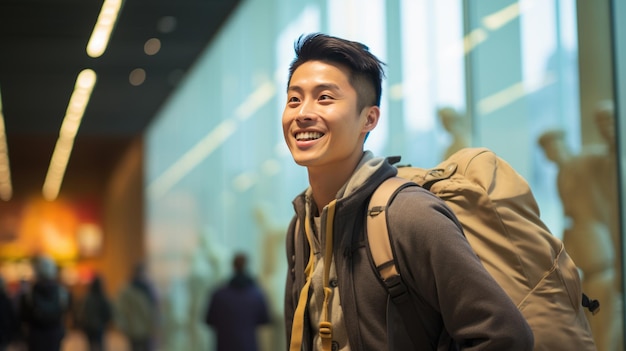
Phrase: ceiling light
x=71 y=122
x=6 y=190
x=166 y=24
x=152 y=46
x=137 y=76
x=103 y=28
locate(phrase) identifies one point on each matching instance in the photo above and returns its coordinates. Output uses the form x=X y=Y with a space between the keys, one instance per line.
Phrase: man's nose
x=306 y=111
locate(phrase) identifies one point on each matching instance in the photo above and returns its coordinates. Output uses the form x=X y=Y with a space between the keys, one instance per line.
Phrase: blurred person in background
x=236 y=310
x=43 y=308
x=136 y=311
x=9 y=323
x=95 y=314
x=23 y=287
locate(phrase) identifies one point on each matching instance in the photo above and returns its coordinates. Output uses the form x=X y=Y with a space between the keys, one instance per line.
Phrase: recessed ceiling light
x=152 y=46
x=167 y=24
x=137 y=76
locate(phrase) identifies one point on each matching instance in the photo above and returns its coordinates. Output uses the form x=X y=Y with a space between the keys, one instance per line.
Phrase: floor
x=75 y=341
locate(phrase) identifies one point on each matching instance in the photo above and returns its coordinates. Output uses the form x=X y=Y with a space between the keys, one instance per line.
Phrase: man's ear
x=371 y=118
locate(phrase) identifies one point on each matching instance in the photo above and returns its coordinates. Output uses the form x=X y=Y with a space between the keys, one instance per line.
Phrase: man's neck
x=326 y=182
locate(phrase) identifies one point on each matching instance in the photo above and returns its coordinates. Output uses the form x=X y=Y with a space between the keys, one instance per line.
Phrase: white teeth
x=308 y=136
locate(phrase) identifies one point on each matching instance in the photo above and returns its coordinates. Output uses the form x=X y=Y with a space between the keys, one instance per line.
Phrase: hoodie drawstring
x=325 y=327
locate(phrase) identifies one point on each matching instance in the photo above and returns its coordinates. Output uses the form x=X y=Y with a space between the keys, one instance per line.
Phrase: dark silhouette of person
x=9 y=322
x=44 y=307
x=95 y=315
x=136 y=311
x=236 y=310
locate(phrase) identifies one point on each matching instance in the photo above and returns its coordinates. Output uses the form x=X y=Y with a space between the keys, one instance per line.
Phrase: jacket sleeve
x=210 y=314
x=263 y=315
x=439 y=266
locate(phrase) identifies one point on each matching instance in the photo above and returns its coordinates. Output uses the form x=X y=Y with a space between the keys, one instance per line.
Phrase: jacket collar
x=369 y=173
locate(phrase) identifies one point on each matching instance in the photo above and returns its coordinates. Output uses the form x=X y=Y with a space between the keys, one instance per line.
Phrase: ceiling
x=42 y=50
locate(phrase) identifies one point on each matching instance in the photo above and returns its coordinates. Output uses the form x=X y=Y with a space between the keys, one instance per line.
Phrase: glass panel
x=496 y=73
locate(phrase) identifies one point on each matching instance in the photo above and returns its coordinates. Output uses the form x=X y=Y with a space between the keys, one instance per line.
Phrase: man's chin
x=300 y=162
x=303 y=161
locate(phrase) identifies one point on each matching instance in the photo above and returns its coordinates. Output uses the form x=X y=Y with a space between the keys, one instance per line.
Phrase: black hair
x=366 y=69
x=240 y=261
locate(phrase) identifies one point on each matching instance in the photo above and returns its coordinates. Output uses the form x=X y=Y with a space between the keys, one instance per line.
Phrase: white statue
x=587 y=185
x=455 y=124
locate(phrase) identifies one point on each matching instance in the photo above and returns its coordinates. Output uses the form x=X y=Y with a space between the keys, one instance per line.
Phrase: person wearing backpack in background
x=95 y=314
x=43 y=308
x=136 y=310
x=334 y=299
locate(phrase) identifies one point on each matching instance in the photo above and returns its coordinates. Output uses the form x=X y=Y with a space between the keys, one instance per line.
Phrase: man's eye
x=325 y=97
x=293 y=99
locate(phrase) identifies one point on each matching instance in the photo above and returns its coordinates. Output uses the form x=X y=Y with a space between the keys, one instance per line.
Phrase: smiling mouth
x=307 y=136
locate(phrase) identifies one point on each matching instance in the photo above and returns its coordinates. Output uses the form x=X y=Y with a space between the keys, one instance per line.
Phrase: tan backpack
x=500 y=219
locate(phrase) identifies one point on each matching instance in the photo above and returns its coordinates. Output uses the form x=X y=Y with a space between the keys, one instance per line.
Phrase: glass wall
x=219 y=178
x=618 y=11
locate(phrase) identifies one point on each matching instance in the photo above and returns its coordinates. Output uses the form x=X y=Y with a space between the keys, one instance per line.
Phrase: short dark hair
x=240 y=261
x=366 y=69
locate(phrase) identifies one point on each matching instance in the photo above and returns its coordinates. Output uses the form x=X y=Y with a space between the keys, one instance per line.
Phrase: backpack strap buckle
x=397 y=290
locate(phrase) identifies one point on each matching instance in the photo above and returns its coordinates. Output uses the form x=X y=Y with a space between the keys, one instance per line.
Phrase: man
x=237 y=309
x=333 y=99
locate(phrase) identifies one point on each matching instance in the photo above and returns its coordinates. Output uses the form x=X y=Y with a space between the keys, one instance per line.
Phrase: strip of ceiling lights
x=6 y=190
x=83 y=88
x=73 y=116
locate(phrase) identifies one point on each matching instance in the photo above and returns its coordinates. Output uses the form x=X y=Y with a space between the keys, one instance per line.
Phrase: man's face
x=321 y=124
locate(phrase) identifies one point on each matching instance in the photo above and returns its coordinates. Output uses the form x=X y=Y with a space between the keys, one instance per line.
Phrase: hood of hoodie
x=368 y=174
x=365 y=171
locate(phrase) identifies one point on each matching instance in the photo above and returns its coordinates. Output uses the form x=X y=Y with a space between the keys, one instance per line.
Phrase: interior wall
x=618 y=11
x=123 y=219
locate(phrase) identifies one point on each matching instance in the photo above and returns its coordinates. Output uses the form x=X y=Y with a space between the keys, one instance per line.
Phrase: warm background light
x=44 y=227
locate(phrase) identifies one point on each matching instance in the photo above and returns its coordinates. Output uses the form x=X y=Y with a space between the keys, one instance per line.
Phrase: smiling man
x=334 y=299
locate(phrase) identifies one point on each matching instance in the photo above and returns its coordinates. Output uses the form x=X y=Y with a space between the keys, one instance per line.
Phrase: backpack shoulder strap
x=381 y=251
x=377 y=232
